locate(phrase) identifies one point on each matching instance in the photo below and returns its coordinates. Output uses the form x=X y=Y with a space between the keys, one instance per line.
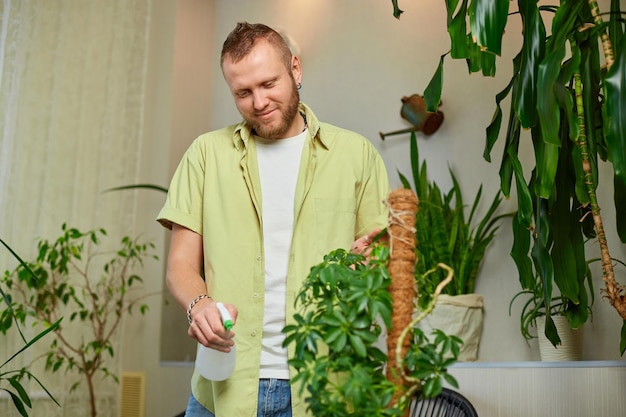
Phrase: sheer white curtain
x=72 y=79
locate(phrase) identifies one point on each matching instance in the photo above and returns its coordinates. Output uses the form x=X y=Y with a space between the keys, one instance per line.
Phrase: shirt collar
x=243 y=131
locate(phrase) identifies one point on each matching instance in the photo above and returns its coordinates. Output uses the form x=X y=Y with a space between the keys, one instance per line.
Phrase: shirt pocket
x=335 y=222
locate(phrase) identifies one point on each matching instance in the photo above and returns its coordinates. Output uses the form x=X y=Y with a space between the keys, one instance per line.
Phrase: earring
x=299 y=86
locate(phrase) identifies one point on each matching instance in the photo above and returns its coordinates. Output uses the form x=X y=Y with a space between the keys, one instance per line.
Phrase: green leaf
x=547 y=105
x=620 y=202
x=564 y=23
x=396 y=10
x=432 y=387
x=451 y=380
x=547 y=158
x=432 y=93
x=590 y=77
x=358 y=345
x=524 y=202
x=487 y=21
x=615 y=111
x=53 y=327
x=340 y=342
x=457 y=28
x=15 y=383
x=551 y=332
x=493 y=130
x=135 y=186
x=540 y=254
x=17 y=402
x=533 y=50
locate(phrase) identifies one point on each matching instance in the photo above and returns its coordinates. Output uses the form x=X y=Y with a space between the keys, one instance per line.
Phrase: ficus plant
x=344 y=307
x=90 y=288
x=568 y=100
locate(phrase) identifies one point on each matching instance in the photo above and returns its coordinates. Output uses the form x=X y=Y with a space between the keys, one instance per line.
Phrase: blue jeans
x=274 y=401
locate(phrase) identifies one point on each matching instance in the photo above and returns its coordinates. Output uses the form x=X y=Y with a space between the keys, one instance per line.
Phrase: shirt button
x=258 y=259
x=253 y=333
x=255 y=295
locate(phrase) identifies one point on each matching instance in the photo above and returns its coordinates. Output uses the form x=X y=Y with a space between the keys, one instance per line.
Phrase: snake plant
x=445 y=234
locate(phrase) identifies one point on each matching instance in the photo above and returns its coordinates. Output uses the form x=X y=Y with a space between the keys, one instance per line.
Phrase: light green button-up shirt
x=216 y=192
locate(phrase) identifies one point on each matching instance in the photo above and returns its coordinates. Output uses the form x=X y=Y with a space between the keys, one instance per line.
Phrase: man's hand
x=207 y=328
x=362 y=245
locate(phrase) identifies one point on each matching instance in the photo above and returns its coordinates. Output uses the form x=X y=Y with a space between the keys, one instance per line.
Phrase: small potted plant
x=557 y=311
x=548 y=308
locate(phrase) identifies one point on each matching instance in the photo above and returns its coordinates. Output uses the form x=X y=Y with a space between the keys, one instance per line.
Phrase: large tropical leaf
x=547 y=104
x=519 y=253
x=457 y=28
x=620 y=203
x=432 y=93
x=615 y=126
x=547 y=160
x=616 y=31
x=487 y=21
x=543 y=263
x=533 y=50
x=568 y=241
x=493 y=130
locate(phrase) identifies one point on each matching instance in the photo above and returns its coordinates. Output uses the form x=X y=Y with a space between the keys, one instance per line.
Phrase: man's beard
x=288 y=113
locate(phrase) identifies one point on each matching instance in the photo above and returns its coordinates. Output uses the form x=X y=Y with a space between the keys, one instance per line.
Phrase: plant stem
x=613 y=291
x=426 y=311
x=606 y=41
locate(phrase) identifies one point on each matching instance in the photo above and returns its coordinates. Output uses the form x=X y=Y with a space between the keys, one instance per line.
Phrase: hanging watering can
x=414 y=111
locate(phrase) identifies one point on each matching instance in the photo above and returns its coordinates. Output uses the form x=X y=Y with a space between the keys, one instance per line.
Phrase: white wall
x=358 y=62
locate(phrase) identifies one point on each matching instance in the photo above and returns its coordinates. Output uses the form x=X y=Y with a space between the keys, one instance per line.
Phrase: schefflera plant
x=345 y=305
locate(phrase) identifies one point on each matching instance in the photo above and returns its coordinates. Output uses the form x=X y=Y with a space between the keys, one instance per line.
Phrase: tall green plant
x=71 y=278
x=445 y=235
x=574 y=107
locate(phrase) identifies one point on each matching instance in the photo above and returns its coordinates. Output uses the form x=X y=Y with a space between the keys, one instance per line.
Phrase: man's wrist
x=193 y=303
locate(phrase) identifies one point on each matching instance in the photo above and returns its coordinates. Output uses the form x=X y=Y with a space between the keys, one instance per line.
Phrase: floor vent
x=132 y=396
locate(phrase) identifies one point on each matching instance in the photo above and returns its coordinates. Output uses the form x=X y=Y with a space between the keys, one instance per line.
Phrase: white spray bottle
x=213 y=364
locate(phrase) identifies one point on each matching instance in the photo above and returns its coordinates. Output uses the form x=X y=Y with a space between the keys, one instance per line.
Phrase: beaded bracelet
x=193 y=303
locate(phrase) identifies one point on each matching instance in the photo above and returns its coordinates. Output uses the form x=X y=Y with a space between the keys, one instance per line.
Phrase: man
x=253 y=207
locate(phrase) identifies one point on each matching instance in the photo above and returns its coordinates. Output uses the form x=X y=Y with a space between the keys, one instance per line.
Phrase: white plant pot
x=459 y=315
x=571 y=345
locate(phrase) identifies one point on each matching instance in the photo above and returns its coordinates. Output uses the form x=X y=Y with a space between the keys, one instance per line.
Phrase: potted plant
x=535 y=309
x=345 y=305
x=92 y=289
x=532 y=322
x=446 y=235
x=568 y=101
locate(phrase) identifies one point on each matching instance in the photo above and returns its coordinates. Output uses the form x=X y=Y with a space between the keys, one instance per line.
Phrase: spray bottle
x=213 y=364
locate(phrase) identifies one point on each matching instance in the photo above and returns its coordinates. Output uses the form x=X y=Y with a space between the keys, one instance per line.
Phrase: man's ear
x=296 y=69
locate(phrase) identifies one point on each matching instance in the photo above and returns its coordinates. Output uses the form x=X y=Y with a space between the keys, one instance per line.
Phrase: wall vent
x=132 y=395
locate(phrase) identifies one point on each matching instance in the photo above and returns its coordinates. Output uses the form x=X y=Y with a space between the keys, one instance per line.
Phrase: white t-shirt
x=279 y=163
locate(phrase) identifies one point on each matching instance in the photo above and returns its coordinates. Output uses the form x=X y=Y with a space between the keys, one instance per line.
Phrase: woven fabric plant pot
x=458 y=315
